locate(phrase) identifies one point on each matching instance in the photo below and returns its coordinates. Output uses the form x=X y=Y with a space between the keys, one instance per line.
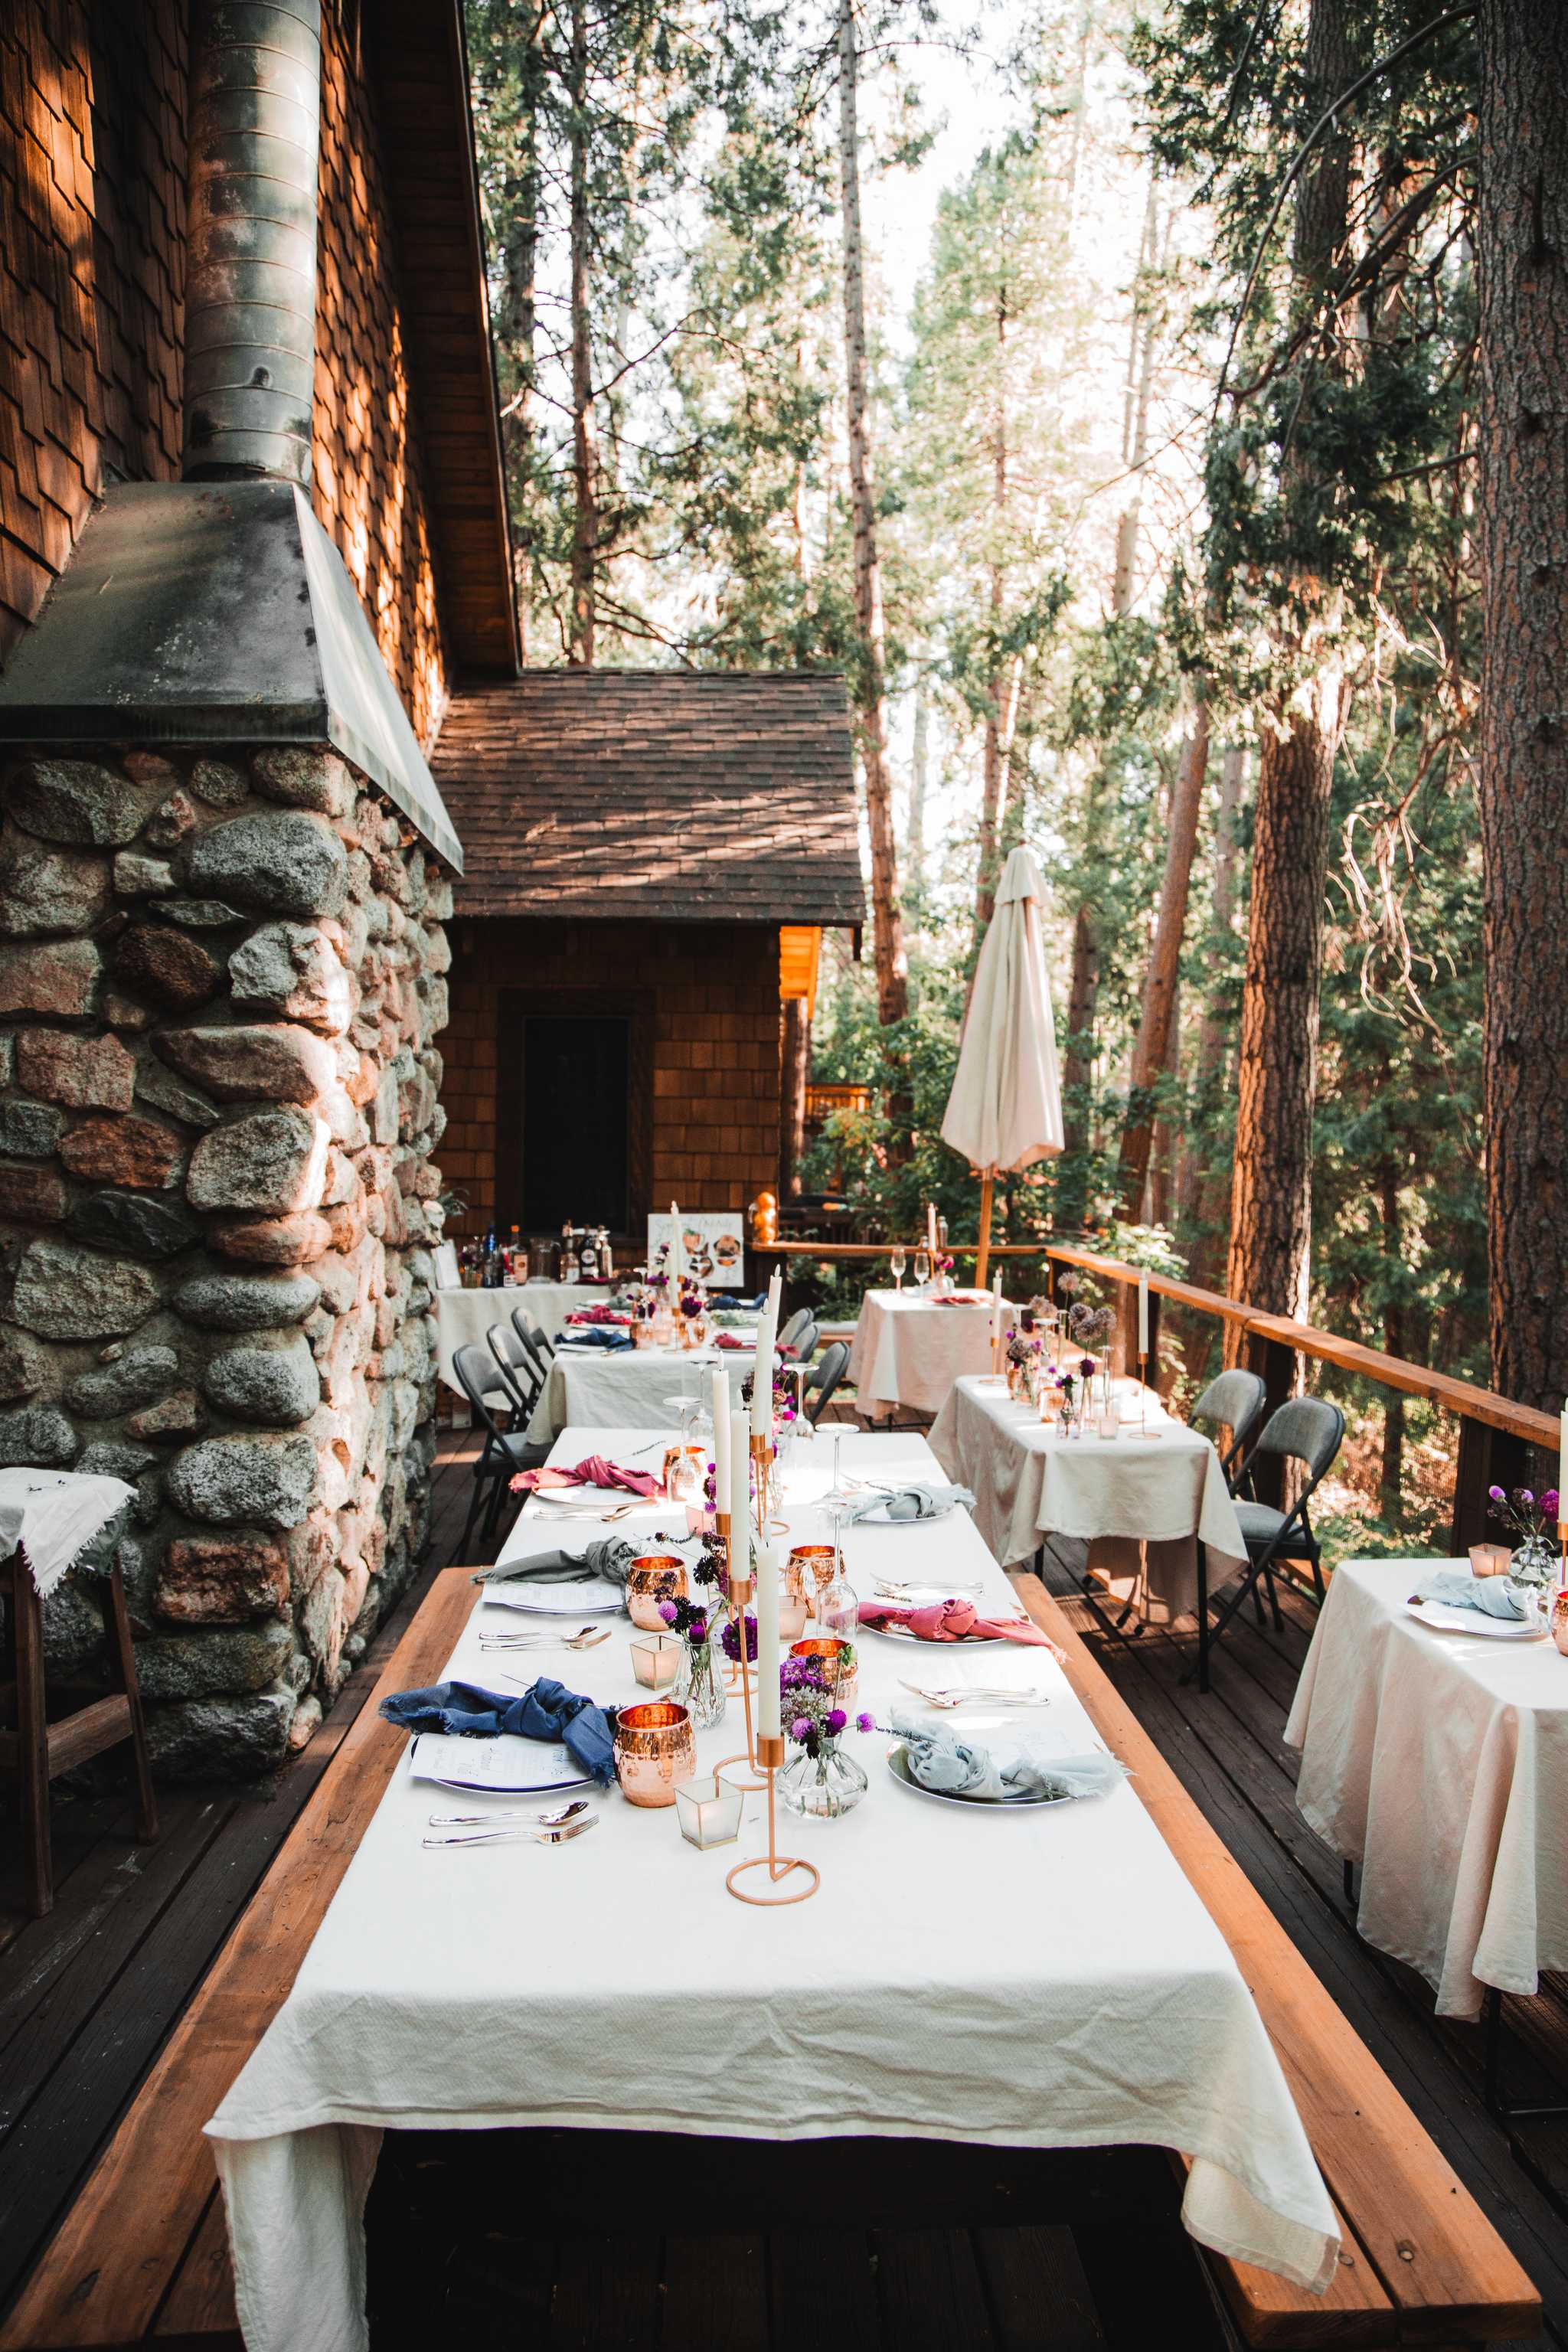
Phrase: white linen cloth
x=631 y=1388
x=1070 y=1991
x=1005 y=1107
x=908 y=1350
x=464 y=1317
x=1438 y=1761
x=55 y=1515
x=1030 y=1482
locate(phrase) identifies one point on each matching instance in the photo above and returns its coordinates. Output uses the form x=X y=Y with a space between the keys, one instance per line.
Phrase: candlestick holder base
x=782 y=1869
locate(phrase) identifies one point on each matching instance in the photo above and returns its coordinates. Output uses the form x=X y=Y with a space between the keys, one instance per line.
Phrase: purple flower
x=697 y=1632
x=1497 y=1494
x=732 y=1640
x=1522 y=1494
x=837 y=1719
x=1088 y=1368
x=1549 y=1502
x=801 y=1727
x=864 y=1722
x=667 y=1610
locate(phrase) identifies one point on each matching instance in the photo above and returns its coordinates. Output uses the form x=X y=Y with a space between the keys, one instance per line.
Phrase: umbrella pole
x=983 y=1258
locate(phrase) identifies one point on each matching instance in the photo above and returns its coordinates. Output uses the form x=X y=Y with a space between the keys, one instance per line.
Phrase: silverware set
x=553 y=1827
x=887 y=1590
x=960 y=1694
x=587 y=1638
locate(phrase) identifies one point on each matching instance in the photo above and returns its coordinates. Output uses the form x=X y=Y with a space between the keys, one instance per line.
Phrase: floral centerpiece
x=821 y=1781
x=698 y=1683
x=1533 y=1518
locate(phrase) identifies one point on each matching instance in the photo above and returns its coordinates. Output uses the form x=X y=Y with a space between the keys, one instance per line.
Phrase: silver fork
x=550 y=1819
x=959 y=1694
x=887 y=1590
x=588 y=1638
x=511 y=1836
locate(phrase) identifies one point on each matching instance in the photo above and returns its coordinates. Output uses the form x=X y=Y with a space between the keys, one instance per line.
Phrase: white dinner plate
x=594 y=1501
x=1444 y=1619
x=899 y=1766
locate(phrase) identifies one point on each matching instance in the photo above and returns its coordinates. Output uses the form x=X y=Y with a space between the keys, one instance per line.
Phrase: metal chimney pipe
x=250 y=290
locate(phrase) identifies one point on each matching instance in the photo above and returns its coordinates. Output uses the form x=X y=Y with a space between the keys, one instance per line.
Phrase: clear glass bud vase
x=699 y=1685
x=823 y=1786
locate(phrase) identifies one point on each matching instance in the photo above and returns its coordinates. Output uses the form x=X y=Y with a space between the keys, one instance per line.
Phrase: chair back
x=530 y=1337
x=794 y=1326
x=806 y=1340
x=825 y=1378
x=520 y=1376
x=1233 y=1401
x=476 y=1369
x=1309 y=1430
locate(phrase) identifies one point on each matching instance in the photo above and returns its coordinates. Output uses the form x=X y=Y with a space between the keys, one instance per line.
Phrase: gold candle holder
x=761 y=1468
x=656 y=1577
x=817 y=1562
x=741 y=1588
x=654 y=1746
x=780 y=1868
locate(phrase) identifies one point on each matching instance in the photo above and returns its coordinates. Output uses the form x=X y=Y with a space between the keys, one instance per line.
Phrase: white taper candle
x=740 y=1495
x=762 y=1377
x=719 y=1393
x=1143 y=1315
x=767 y=1642
x=675 y=1256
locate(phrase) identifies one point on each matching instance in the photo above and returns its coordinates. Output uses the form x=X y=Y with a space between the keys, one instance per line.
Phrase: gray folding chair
x=797 y=1323
x=824 y=1377
x=504 y=1453
x=806 y=1340
x=522 y=1377
x=1309 y=1430
x=1233 y=1401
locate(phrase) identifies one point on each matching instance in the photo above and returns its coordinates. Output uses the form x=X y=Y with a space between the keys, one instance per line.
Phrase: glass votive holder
x=655 y=1661
x=1489 y=1559
x=708 y=1812
x=1106 y=1423
x=794 y=1610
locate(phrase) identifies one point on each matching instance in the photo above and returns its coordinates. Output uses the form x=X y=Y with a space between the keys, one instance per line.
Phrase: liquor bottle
x=588 y=1252
x=565 y=1270
x=514 y=1251
x=606 y=1254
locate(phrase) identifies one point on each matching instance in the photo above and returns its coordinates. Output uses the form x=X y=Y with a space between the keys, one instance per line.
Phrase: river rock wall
x=220 y=982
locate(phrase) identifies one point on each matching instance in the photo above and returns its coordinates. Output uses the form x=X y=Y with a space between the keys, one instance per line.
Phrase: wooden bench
x=143 y=2257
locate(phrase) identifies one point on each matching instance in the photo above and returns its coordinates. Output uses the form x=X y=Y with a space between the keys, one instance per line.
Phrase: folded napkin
x=546 y=1710
x=1456 y=1589
x=956 y=1620
x=957 y=1768
x=609 y=1559
x=592 y=1471
x=963 y=1298
x=915 y=1502
x=728 y=1339
x=598 y=1315
x=594 y=1337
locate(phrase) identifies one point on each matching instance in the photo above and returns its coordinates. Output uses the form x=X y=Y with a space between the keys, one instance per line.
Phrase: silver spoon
x=549 y=1819
x=509 y=1836
x=587 y=1638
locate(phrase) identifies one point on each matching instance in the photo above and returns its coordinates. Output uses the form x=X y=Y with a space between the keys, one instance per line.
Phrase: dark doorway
x=576 y=1120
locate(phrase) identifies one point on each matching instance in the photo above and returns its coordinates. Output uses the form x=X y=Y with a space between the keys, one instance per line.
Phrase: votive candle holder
x=656 y=1577
x=656 y=1662
x=655 y=1750
x=837 y=1660
x=708 y=1812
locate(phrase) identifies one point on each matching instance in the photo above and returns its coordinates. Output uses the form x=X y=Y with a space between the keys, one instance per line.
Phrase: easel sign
x=712 y=1244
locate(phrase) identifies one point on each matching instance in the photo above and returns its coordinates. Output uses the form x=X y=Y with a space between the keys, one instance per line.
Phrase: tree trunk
x=993 y=783
x=796 y=1076
x=920 y=776
x=1164 y=1166
x=887 y=928
x=584 y=453
x=1271 y=1201
x=1391 y=1477
x=1152 y=1048
x=516 y=314
x=1207 y=1191
x=1522 y=269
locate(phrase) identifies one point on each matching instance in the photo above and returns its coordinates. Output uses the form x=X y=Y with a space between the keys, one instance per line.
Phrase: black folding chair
x=806 y=1340
x=796 y=1324
x=520 y=1374
x=531 y=1337
x=504 y=1453
x=824 y=1377
x=1309 y=1430
x=1233 y=1401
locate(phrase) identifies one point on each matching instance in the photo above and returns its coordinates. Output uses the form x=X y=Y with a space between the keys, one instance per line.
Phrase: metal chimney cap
x=214 y=614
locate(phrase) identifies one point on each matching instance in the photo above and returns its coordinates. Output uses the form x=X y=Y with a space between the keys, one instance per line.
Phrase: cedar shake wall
x=713 y=992
x=92 y=229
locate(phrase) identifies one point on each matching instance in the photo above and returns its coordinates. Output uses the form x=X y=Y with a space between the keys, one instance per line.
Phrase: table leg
x=32 y=1734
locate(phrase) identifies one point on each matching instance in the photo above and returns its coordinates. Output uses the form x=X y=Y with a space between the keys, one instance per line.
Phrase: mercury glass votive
x=656 y=1576
x=708 y=1812
x=655 y=1750
x=656 y=1662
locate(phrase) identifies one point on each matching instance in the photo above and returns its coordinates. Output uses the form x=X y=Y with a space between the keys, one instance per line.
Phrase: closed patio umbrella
x=1006 y=1108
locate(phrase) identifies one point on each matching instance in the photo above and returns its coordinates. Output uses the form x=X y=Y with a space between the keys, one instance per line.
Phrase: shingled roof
x=679 y=795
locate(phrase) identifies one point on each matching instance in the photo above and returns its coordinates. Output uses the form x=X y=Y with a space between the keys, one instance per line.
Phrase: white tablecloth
x=1439 y=1762
x=624 y=1388
x=1029 y=1482
x=1033 y=1979
x=56 y=1515
x=908 y=1350
x=463 y=1317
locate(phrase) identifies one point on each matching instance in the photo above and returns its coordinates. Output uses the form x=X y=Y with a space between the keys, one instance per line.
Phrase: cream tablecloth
x=463 y=1317
x=1033 y=1979
x=1163 y=1494
x=602 y=1388
x=907 y=1351
x=1439 y=1762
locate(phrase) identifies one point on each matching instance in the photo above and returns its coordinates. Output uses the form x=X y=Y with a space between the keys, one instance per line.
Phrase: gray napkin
x=1457 y=1590
x=957 y=1768
x=609 y=1558
x=915 y=1502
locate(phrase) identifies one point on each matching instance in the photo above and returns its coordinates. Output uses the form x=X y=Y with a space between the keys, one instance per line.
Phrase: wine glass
x=899 y=1261
x=923 y=1268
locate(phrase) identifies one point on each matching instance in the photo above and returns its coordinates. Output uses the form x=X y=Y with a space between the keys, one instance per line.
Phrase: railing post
x=1488 y=1457
x=1275 y=1363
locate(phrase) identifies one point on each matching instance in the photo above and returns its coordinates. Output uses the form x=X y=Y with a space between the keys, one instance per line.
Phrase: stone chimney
x=225 y=871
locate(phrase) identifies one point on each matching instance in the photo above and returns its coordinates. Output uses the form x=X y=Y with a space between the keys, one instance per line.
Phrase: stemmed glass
x=899 y=1261
x=923 y=1268
x=838 y=1496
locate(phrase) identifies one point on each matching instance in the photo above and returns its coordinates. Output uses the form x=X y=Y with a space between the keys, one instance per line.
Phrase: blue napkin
x=593 y=1335
x=1457 y=1590
x=957 y=1768
x=915 y=1502
x=547 y=1710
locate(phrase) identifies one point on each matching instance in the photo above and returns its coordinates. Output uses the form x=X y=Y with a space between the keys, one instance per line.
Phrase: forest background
x=1142 y=510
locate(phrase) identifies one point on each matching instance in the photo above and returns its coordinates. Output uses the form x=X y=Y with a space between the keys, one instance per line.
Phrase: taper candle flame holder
x=780 y=1868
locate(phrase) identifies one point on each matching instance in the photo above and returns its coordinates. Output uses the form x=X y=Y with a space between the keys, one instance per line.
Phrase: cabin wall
x=713 y=992
x=220 y=982
x=92 y=242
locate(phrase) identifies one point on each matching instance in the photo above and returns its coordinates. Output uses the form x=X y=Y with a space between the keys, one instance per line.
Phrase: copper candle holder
x=841 y=1678
x=657 y=1576
x=781 y=1868
x=762 y=1459
x=816 y=1562
x=654 y=1748
x=742 y=1589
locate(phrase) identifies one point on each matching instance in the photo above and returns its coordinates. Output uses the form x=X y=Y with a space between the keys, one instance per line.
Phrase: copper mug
x=1559 y=1620
x=657 y=1576
x=831 y=1654
x=813 y=1565
x=655 y=1750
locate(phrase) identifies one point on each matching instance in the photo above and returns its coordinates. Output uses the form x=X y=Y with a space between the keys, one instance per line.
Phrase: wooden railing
x=1497 y=1437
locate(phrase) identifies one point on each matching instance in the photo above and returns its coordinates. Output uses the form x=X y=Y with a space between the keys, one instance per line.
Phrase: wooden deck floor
x=89 y=1995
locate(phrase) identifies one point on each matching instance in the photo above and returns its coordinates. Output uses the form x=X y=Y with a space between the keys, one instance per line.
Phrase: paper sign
x=712 y=1244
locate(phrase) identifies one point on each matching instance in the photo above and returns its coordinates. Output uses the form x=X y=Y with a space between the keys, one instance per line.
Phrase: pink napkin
x=728 y=1339
x=597 y=1314
x=957 y=1620
x=963 y=1298
x=595 y=1471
